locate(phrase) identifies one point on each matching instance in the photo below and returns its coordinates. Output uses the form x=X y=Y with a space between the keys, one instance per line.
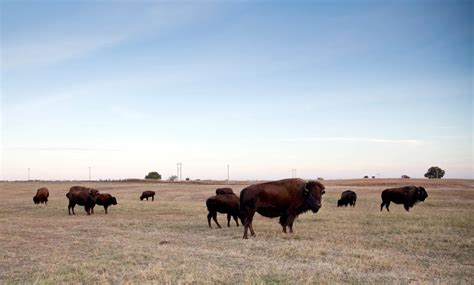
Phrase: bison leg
x=248 y=223
x=152 y=198
x=88 y=210
x=386 y=206
x=407 y=207
x=228 y=220
x=105 y=207
x=214 y=217
x=92 y=209
x=209 y=216
x=381 y=206
x=236 y=219
x=283 y=222
x=289 y=222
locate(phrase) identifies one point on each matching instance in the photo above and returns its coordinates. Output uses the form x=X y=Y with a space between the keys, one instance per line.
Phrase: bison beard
x=286 y=199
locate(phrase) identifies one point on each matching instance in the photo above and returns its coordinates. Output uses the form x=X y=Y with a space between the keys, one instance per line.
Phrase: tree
x=404 y=176
x=366 y=176
x=173 y=178
x=434 y=172
x=153 y=175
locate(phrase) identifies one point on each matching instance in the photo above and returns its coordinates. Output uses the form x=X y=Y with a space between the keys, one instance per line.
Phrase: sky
x=333 y=89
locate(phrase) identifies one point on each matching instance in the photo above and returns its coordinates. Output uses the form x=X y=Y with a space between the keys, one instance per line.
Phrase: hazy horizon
x=333 y=90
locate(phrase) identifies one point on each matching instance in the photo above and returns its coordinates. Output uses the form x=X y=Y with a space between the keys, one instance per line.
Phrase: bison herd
x=285 y=199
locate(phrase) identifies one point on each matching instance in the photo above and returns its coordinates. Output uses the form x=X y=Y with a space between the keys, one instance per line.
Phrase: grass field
x=168 y=240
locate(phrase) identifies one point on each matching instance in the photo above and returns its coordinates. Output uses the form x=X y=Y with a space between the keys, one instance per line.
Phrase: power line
x=228 y=172
x=28 y=174
x=89 y=173
x=179 y=170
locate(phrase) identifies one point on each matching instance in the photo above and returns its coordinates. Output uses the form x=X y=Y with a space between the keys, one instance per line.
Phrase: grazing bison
x=408 y=196
x=348 y=197
x=225 y=204
x=224 y=191
x=285 y=198
x=147 y=194
x=82 y=196
x=105 y=200
x=41 y=196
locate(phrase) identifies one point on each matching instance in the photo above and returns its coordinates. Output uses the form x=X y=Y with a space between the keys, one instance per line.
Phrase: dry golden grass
x=168 y=241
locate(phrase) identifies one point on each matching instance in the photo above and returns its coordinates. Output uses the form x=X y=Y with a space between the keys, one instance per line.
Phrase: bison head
x=113 y=201
x=36 y=200
x=93 y=192
x=422 y=195
x=141 y=198
x=313 y=192
x=339 y=202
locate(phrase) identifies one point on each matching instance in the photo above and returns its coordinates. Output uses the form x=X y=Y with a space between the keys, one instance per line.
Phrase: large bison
x=225 y=204
x=105 y=200
x=148 y=194
x=408 y=196
x=285 y=198
x=348 y=197
x=82 y=196
x=224 y=191
x=41 y=196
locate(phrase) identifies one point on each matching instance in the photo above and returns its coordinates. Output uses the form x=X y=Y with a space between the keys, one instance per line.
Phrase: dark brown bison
x=224 y=191
x=285 y=198
x=41 y=196
x=225 y=204
x=105 y=200
x=408 y=196
x=148 y=194
x=82 y=196
x=348 y=197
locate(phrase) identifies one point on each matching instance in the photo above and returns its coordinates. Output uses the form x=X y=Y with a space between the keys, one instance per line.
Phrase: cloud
x=353 y=139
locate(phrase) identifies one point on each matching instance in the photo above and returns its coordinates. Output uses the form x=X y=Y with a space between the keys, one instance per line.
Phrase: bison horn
x=306 y=190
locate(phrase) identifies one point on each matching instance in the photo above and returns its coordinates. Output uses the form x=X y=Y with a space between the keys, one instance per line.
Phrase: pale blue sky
x=335 y=89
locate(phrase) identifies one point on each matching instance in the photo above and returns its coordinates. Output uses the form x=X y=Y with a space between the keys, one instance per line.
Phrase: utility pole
x=28 y=174
x=293 y=173
x=228 y=172
x=89 y=173
x=179 y=170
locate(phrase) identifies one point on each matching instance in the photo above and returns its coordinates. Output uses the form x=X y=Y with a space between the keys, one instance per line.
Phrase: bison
x=348 y=197
x=82 y=196
x=285 y=198
x=225 y=204
x=408 y=196
x=147 y=194
x=105 y=200
x=41 y=196
x=224 y=191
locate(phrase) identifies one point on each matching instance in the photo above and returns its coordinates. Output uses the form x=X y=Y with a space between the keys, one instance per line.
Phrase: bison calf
x=348 y=197
x=82 y=196
x=148 y=194
x=41 y=196
x=225 y=204
x=105 y=200
x=408 y=196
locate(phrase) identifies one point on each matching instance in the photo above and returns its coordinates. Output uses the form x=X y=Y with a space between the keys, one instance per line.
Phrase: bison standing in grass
x=348 y=197
x=82 y=196
x=105 y=200
x=41 y=196
x=408 y=196
x=225 y=203
x=285 y=198
x=148 y=194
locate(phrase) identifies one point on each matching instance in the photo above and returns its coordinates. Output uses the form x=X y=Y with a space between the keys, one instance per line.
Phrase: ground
x=168 y=240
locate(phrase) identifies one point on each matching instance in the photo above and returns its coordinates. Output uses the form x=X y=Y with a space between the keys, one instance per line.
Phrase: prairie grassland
x=168 y=240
